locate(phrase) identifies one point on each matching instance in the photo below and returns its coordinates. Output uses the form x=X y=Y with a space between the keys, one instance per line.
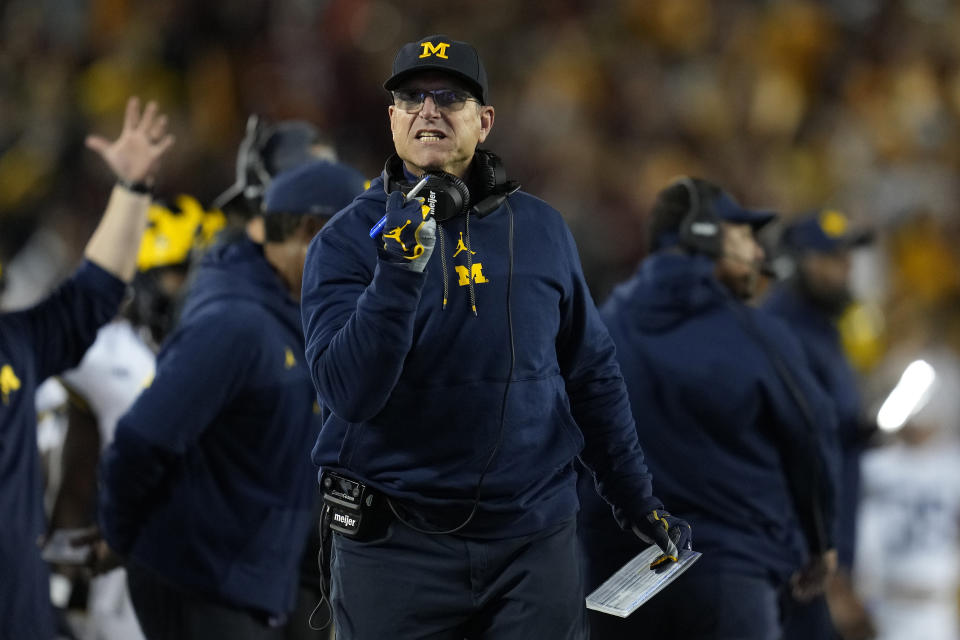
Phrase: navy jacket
x=820 y=340
x=413 y=393
x=208 y=482
x=725 y=440
x=35 y=344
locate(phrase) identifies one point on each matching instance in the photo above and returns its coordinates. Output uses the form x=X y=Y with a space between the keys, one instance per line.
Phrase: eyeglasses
x=411 y=100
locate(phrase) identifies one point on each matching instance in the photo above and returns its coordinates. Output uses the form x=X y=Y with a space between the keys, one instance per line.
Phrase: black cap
x=440 y=53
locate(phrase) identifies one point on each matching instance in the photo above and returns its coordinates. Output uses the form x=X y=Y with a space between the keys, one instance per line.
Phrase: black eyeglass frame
x=444 y=99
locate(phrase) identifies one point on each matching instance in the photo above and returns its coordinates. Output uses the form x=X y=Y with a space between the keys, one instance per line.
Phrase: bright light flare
x=909 y=396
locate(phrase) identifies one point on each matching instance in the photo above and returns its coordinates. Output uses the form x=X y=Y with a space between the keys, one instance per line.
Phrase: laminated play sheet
x=634 y=583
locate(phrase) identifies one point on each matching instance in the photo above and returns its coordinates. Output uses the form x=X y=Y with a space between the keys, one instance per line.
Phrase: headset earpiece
x=450 y=192
x=393 y=178
x=700 y=230
x=493 y=178
x=490 y=171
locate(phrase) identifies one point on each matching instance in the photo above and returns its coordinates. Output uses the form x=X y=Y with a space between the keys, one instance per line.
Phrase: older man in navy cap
x=207 y=488
x=462 y=368
x=734 y=426
x=819 y=245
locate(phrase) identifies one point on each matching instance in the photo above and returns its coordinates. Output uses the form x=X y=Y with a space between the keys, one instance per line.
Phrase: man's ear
x=486 y=121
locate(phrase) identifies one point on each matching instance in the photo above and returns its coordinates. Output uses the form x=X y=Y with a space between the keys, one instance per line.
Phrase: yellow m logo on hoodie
x=9 y=382
x=476 y=274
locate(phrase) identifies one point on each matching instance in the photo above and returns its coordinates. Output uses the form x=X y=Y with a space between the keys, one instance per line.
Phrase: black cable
x=503 y=403
x=322 y=561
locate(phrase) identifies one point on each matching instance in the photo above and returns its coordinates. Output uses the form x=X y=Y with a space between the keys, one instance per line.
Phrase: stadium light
x=909 y=396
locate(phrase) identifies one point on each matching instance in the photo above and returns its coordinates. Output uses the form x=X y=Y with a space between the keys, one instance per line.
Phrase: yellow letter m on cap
x=439 y=49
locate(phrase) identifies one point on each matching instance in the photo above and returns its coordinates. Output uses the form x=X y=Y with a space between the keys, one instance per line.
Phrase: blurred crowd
x=793 y=105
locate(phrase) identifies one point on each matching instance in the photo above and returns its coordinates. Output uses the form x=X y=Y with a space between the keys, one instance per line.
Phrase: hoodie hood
x=375 y=192
x=239 y=271
x=667 y=289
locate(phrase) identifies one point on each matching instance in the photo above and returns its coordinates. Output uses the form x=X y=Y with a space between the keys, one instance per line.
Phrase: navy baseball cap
x=440 y=53
x=824 y=231
x=730 y=210
x=674 y=204
x=320 y=188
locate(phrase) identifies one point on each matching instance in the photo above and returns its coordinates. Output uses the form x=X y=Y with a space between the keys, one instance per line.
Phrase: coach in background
x=208 y=487
x=52 y=336
x=266 y=151
x=463 y=367
x=819 y=245
x=113 y=372
x=735 y=428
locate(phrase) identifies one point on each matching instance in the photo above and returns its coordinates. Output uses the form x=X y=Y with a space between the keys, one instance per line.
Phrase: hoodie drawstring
x=473 y=293
x=443 y=262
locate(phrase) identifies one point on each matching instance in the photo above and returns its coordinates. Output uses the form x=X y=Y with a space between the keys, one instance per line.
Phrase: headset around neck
x=452 y=193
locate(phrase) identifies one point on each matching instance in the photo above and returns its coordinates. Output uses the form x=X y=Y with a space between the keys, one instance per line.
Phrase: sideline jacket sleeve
x=200 y=369
x=809 y=451
x=60 y=328
x=600 y=403
x=356 y=310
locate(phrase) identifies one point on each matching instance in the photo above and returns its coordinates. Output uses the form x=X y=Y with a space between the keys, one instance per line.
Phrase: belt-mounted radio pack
x=353 y=509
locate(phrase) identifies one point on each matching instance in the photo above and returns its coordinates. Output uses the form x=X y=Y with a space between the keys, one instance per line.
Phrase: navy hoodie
x=725 y=440
x=821 y=343
x=414 y=393
x=208 y=482
x=35 y=344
